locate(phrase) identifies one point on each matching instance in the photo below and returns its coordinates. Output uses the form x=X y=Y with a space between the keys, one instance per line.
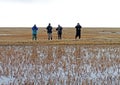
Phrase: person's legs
x=51 y=36
x=32 y=37
x=60 y=35
x=48 y=36
x=35 y=36
x=76 y=36
x=79 y=34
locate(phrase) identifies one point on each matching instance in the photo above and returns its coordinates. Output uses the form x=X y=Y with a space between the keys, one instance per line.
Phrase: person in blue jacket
x=49 y=31
x=34 y=32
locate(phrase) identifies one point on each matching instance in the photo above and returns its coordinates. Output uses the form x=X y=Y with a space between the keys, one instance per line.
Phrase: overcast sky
x=89 y=13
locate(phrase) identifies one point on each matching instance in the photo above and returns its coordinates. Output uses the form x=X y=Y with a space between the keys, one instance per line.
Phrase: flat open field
x=92 y=60
x=21 y=35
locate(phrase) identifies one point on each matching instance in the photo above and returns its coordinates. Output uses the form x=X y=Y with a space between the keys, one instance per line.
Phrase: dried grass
x=60 y=64
x=90 y=36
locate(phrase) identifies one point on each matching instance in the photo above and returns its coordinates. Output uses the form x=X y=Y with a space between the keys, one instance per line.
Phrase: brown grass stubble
x=22 y=36
x=79 y=60
x=60 y=51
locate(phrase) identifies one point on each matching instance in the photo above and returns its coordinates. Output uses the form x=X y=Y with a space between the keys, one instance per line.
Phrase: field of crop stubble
x=92 y=60
x=89 y=36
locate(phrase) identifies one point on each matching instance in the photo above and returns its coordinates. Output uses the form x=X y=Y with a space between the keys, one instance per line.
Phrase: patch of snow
x=18 y=65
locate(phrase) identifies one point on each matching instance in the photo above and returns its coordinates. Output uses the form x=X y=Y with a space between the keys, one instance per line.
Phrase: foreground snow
x=60 y=65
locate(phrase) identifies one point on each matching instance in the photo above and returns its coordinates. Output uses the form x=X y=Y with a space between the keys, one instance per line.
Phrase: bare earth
x=95 y=36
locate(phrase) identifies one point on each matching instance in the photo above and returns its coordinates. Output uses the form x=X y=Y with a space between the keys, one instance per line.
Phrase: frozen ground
x=60 y=65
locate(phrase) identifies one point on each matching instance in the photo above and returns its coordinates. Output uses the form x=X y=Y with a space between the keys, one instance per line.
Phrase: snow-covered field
x=60 y=65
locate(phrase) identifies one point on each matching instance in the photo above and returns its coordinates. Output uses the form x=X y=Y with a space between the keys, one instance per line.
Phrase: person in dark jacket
x=59 y=31
x=34 y=32
x=78 y=31
x=49 y=31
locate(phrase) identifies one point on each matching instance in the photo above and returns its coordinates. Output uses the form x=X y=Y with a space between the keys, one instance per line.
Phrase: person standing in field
x=49 y=31
x=59 y=31
x=78 y=31
x=34 y=32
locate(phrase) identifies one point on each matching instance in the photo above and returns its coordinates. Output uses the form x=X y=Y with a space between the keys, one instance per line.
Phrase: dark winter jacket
x=78 y=27
x=49 y=29
x=59 y=29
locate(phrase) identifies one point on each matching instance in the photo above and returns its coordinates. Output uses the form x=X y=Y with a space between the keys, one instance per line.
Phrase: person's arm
x=51 y=27
x=80 y=26
x=56 y=28
x=47 y=27
x=76 y=26
x=37 y=28
x=61 y=27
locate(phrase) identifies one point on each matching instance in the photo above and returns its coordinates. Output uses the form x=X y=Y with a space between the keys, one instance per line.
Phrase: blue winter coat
x=34 y=29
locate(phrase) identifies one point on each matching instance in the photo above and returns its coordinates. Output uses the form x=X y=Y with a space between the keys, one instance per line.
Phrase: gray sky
x=89 y=13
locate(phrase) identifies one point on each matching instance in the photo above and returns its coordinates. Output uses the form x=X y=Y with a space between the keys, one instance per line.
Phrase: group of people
x=58 y=29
